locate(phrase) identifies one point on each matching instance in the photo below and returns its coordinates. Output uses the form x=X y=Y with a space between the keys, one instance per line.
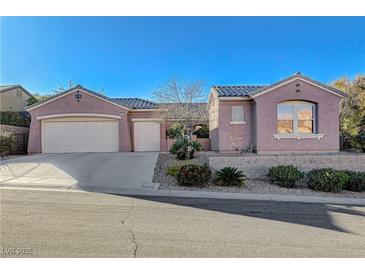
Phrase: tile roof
x=253 y=90
x=199 y=111
x=135 y=103
x=298 y=75
x=236 y=91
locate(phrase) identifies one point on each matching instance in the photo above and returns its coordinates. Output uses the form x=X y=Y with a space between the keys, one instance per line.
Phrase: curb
x=194 y=194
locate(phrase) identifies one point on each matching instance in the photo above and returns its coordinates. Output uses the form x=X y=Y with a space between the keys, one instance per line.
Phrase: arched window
x=296 y=117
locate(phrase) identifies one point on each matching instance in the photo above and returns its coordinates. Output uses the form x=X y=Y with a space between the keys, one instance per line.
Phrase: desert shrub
x=327 y=179
x=184 y=149
x=175 y=131
x=7 y=142
x=230 y=176
x=173 y=170
x=194 y=146
x=355 y=182
x=193 y=175
x=180 y=148
x=285 y=176
x=202 y=132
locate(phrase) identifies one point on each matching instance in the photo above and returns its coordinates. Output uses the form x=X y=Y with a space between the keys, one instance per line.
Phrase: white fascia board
x=78 y=115
x=237 y=98
x=291 y=80
x=67 y=93
x=146 y=119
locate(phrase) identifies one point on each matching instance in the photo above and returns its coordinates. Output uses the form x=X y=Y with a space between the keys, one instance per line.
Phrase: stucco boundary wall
x=257 y=167
x=15 y=129
x=21 y=137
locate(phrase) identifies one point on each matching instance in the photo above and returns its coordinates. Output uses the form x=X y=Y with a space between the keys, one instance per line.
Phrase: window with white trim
x=238 y=114
x=296 y=117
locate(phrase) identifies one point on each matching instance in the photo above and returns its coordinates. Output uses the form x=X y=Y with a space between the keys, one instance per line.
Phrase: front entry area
x=80 y=134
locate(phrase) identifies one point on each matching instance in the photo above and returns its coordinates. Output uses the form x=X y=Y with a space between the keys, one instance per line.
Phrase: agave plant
x=194 y=146
x=230 y=176
x=184 y=149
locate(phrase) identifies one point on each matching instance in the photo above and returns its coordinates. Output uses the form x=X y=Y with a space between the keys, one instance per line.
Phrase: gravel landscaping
x=252 y=186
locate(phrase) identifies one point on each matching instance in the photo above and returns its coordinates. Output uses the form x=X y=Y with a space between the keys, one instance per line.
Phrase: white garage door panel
x=146 y=136
x=80 y=136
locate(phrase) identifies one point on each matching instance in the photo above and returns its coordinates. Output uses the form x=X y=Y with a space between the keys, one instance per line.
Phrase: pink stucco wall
x=327 y=113
x=87 y=104
x=234 y=137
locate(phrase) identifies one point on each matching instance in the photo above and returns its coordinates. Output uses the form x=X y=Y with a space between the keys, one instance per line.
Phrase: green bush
x=21 y=119
x=356 y=181
x=180 y=148
x=193 y=175
x=184 y=149
x=175 y=131
x=194 y=146
x=202 y=132
x=7 y=142
x=285 y=176
x=230 y=176
x=173 y=170
x=327 y=179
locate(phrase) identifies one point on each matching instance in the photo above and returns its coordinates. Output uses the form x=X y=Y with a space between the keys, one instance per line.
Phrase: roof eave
x=283 y=82
x=62 y=94
x=234 y=98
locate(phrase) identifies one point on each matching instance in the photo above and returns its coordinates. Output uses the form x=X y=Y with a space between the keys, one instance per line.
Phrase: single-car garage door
x=146 y=136
x=81 y=134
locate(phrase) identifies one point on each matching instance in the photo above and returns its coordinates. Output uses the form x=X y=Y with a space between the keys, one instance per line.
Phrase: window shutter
x=237 y=114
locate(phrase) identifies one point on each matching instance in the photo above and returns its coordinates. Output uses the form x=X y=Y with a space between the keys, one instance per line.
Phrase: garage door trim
x=78 y=118
x=78 y=115
x=147 y=144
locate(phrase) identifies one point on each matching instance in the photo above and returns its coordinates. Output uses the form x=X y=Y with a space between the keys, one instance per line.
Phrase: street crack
x=134 y=240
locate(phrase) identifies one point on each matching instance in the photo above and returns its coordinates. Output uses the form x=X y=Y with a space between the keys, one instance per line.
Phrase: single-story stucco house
x=81 y=120
x=294 y=115
x=297 y=114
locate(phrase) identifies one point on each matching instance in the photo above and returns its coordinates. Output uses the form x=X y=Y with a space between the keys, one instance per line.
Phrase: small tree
x=352 y=108
x=182 y=97
x=360 y=138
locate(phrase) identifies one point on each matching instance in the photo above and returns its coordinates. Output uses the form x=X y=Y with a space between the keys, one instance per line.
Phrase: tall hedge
x=11 y=118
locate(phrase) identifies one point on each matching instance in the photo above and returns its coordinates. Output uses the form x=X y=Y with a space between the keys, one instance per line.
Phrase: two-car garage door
x=82 y=134
x=95 y=134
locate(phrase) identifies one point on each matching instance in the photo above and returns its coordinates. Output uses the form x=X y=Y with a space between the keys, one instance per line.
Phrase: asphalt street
x=36 y=223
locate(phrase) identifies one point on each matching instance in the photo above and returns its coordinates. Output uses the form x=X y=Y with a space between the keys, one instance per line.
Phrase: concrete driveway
x=103 y=172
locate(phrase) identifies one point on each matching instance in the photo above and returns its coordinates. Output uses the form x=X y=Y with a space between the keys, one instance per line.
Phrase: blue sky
x=131 y=56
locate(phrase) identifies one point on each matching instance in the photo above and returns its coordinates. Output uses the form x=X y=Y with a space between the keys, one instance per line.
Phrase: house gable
x=69 y=103
x=78 y=88
x=295 y=78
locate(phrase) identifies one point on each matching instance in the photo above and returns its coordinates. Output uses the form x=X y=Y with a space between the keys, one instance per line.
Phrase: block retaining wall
x=256 y=167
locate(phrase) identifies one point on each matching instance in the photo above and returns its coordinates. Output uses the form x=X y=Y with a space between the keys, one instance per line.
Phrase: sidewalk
x=194 y=194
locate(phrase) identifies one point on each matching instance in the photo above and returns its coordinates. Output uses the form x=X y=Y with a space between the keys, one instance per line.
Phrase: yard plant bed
x=167 y=182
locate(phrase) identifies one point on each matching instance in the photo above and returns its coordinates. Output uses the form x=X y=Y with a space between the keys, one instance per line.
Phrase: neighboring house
x=294 y=115
x=13 y=98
